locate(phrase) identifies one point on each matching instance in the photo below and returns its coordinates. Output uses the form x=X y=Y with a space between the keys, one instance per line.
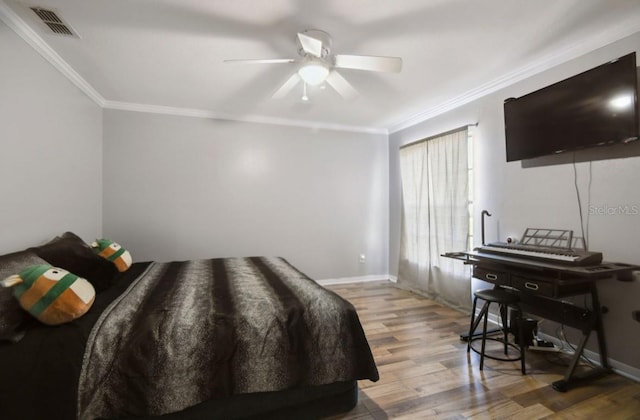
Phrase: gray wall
x=545 y=196
x=182 y=188
x=50 y=151
x=178 y=188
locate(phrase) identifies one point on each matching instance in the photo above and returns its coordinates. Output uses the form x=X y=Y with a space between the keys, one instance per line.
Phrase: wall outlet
x=362 y=258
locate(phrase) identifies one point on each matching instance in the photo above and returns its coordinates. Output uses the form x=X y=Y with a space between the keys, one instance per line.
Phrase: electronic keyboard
x=555 y=255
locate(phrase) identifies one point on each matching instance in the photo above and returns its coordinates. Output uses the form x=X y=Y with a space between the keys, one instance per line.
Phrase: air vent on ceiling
x=53 y=21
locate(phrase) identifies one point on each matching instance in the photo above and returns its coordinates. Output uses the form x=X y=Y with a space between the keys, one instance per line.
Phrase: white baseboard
x=620 y=368
x=357 y=279
x=625 y=370
x=593 y=357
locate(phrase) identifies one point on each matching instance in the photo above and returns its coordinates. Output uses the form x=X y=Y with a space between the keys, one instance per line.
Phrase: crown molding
x=15 y=22
x=259 y=119
x=558 y=57
x=18 y=25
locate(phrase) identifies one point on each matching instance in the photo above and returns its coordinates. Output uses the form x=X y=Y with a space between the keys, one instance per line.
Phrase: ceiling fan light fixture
x=317 y=65
x=313 y=72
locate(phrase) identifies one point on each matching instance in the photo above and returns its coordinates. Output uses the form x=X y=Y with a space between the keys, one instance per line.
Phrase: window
x=437 y=180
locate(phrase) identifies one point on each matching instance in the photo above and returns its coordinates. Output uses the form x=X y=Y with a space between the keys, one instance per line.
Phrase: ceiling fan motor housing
x=319 y=64
x=319 y=35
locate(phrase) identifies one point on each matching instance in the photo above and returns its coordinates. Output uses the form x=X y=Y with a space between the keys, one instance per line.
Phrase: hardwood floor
x=426 y=372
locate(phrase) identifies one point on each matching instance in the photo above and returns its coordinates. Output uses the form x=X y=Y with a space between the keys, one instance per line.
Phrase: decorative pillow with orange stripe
x=52 y=295
x=113 y=252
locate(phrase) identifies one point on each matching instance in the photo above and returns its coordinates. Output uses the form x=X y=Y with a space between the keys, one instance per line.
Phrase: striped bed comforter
x=187 y=332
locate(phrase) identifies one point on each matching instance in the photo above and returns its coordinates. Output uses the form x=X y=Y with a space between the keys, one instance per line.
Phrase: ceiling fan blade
x=341 y=86
x=310 y=45
x=287 y=86
x=369 y=62
x=262 y=61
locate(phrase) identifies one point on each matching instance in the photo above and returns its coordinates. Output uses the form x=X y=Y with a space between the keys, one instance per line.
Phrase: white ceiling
x=167 y=55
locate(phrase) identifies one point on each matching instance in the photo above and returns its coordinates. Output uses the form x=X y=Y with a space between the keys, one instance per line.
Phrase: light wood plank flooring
x=426 y=372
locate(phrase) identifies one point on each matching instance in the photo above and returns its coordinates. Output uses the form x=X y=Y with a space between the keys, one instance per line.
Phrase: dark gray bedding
x=186 y=332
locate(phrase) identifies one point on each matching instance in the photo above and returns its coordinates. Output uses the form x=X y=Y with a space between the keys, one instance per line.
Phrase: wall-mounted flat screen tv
x=594 y=108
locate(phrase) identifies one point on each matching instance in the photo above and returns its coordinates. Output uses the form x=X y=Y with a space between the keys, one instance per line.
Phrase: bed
x=218 y=338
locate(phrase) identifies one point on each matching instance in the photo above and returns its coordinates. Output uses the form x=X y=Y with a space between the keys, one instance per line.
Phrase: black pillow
x=71 y=253
x=14 y=319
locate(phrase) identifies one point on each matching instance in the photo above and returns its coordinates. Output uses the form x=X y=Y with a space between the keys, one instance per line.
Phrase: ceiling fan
x=317 y=64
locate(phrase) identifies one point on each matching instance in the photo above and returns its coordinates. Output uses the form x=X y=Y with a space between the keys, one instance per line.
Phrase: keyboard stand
x=583 y=319
x=543 y=287
x=570 y=379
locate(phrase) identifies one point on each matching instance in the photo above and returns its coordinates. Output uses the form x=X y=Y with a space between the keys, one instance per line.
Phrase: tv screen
x=597 y=107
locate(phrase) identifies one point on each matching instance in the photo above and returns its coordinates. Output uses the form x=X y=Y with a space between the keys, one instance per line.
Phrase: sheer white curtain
x=435 y=218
